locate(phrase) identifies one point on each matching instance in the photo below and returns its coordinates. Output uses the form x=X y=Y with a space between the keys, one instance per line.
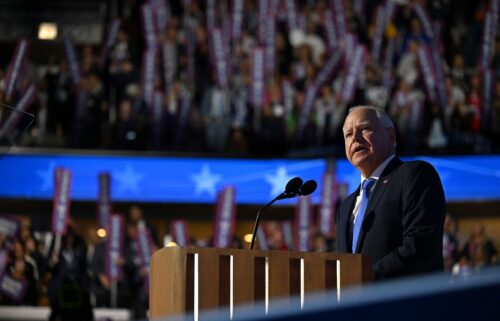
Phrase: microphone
x=308 y=188
x=293 y=188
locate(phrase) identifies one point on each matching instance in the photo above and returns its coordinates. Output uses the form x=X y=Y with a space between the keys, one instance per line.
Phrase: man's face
x=367 y=142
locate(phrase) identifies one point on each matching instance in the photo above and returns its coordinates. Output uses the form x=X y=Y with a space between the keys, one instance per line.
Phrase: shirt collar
x=378 y=171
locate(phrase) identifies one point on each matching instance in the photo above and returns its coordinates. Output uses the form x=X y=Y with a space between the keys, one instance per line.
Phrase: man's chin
x=360 y=161
x=359 y=157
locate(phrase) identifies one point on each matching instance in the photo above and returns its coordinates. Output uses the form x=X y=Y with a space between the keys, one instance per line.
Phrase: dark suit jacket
x=402 y=230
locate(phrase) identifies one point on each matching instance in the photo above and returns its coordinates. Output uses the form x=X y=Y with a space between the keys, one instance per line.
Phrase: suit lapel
x=346 y=212
x=378 y=191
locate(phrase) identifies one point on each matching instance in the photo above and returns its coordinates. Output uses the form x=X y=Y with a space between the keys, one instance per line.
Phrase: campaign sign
x=13 y=288
x=60 y=212
x=9 y=226
x=303 y=218
x=179 y=232
x=225 y=218
x=115 y=245
x=104 y=200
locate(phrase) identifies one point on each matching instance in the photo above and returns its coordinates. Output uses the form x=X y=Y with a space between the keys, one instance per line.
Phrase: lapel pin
x=385 y=181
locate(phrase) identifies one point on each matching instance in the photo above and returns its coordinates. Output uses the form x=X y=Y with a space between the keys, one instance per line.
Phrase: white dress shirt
x=375 y=175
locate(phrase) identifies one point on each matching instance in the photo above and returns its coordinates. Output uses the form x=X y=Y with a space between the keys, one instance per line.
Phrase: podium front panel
x=189 y=279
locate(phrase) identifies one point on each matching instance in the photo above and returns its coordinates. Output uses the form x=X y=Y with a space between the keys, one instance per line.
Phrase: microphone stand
x=257 y=219
x=292 y=189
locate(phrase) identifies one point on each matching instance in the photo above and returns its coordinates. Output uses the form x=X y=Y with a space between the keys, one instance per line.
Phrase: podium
x=186 y=280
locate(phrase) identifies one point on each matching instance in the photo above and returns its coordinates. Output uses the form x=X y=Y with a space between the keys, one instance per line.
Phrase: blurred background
x=143 y=120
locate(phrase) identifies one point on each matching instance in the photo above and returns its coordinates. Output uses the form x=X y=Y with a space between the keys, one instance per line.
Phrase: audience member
x=479 y=249
x=68 y=290
x=450 y=243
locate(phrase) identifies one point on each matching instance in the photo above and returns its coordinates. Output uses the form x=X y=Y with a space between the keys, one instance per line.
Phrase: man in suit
x=396 y=215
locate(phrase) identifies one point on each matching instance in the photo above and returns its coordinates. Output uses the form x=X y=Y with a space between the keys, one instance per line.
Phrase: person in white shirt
x=396 y=215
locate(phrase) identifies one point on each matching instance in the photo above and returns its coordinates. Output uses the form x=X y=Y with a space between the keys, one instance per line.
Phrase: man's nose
x=356 y=134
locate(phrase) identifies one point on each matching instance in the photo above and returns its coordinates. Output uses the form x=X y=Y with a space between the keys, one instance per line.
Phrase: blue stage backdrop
x=197 y=180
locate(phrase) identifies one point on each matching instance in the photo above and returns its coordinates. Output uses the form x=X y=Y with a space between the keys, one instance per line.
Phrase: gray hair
x=381 y=114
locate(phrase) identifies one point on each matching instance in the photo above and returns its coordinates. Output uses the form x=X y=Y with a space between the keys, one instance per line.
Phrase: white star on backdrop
x=128 y=180
x=278 y=181
x=205 y=181
x=47 y=176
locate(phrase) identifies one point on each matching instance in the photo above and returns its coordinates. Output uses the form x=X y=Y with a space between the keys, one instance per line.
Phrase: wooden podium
x=190 y=279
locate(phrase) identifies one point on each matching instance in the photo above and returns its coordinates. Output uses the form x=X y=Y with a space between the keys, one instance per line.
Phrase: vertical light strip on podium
x=196 y=287
x=231 y=285
x=301 y=283
x=338 y=280
x=266 y=269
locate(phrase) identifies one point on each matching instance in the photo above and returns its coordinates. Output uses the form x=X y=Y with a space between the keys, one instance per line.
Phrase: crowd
x=71 y=276
x=186 y=105
x=463 y=256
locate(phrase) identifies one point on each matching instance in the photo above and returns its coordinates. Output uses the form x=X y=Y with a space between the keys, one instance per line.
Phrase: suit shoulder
x=420 y=168
x=418 y=165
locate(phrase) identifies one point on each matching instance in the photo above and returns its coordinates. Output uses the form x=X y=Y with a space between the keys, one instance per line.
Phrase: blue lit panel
x=197 y=180
x=154 y=179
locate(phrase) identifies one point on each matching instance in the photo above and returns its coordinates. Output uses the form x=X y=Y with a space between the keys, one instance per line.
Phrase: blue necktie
x=358 y=220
